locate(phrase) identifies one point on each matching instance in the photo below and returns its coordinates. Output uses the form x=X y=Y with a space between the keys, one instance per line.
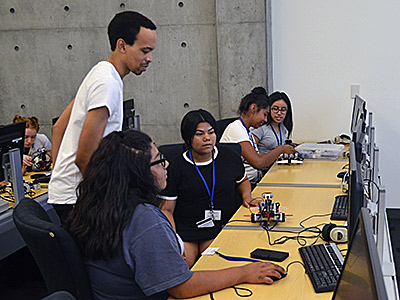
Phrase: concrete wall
x=320 y=48
x=209 y=54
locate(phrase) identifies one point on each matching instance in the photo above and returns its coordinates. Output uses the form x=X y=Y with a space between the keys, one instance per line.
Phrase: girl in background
x=253 y=111
x=279 y=125
x=33 y=140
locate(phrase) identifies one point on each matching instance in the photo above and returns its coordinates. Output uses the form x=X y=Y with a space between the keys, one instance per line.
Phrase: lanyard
x=211 y=195
x=248 y=132
x=236 y=258
x=276 y=135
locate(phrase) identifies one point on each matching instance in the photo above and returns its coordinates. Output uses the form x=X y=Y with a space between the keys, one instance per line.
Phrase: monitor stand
x=13 y=173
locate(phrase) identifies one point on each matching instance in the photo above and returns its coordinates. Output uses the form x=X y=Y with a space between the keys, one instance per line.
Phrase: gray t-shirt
x=149 y=261
x=267 y=138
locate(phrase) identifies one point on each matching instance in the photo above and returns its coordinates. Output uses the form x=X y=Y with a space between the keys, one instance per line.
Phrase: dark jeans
x=63 y=210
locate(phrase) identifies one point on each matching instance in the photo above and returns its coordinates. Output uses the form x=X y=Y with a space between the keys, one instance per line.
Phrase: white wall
x=319 y=49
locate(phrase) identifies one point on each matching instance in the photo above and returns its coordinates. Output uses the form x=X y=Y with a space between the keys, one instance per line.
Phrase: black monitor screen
x=356 y=191
x=129 y=114
x=359 y=113
x=11 y=137
x=360 y=142
x=361 y=277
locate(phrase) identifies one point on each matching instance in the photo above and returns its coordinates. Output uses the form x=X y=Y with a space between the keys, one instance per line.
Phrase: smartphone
x=269 y=254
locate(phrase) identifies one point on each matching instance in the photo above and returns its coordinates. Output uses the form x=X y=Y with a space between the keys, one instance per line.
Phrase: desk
x=10 y=239
x=309 y=173
x=240 y=241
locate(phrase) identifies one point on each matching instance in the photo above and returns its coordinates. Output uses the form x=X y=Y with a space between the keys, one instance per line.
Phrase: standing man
x=97 y=108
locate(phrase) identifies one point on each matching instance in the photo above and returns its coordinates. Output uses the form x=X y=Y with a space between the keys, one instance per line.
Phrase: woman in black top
x=206 y=185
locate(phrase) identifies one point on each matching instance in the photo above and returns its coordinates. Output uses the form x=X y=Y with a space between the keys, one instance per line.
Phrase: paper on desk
x=210 y=251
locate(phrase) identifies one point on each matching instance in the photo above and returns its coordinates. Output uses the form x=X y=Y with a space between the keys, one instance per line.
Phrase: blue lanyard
x=276 y=135
x=236 y=258
x=211 y=195
x=248 y=132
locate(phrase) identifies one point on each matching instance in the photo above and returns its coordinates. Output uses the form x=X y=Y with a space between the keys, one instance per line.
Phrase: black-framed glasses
x=161 y=161
x=276 y=109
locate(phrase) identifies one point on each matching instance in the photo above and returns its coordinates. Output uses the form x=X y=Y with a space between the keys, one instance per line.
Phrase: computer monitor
x=360 y=142
x=371 y=135
x=130 y=121
x=359 y=113
x=356 y=191
x=12 y=136
x=361 y=277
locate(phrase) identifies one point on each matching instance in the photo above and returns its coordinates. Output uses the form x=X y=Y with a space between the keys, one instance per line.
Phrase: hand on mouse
x=261 y=272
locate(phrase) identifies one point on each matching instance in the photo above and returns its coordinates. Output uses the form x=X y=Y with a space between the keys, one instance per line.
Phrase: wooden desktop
x=240 y=236
x=309 y=173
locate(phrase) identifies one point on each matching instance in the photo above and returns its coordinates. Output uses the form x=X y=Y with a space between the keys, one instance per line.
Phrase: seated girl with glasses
x=129 y=247
x=279 y=125
x=253 y=110
x=206 y=185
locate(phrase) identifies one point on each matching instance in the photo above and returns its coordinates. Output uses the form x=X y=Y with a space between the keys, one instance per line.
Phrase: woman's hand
x=288 y=149
x=260 y=272
x=251 y=202
x=48 y=157
x=27 y=161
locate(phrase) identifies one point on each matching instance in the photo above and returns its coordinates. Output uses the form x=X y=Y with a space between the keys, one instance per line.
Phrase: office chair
x=235 y=147
x=222 y=124
x=60 y=295
x=171 y=150
x=54 y=120
x=53 y=249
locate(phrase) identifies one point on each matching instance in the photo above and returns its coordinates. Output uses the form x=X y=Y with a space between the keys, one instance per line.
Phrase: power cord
x=237 y=289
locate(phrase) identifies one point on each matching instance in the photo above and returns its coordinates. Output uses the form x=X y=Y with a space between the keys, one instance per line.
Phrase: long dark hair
x=257 y=96
x=191 y=120
x=288 y=121
x=116 y=180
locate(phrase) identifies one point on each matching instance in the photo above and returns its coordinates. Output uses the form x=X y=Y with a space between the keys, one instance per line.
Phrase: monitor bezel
x=363 y=220
x=8 y=133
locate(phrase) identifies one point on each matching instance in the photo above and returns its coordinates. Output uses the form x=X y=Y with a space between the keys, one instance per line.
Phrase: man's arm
x=91 y=135
x=59 y=130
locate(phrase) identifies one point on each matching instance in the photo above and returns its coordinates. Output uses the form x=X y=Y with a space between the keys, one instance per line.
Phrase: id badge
x=215 y=215
x=205 y=223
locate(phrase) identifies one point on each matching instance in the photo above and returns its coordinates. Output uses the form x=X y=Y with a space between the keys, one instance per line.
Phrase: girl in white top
x=253 y=110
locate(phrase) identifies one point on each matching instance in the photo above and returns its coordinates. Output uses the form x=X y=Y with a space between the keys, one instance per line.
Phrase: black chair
x=54 y=120
x=53 y=249
x=222 y=124
x=235 y=147
x=171 y=150
x=60 y=295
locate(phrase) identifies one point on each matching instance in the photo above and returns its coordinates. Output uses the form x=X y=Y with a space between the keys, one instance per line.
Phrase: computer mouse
x=283 y=275
x=341 y=174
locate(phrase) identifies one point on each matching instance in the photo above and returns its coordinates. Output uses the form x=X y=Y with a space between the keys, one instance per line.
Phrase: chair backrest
x=53 y=249
x=235 y=147
x=222 y=124
x=60 y=295
x=171 y=150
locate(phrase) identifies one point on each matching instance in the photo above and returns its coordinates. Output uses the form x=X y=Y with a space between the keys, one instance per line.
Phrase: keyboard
x=339 y=210
x=323 y=263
